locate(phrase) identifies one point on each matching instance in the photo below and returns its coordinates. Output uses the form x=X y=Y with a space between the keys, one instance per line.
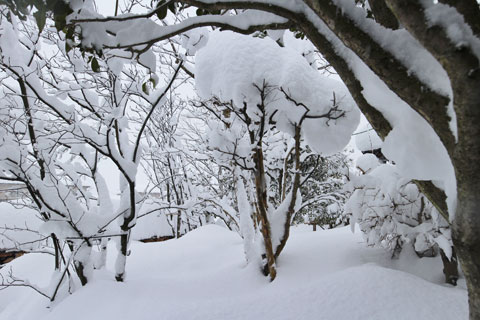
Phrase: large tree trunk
x=466 y=235
x=470 y=259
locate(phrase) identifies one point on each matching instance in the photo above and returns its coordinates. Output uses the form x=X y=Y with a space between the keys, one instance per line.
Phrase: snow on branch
x=133 y=35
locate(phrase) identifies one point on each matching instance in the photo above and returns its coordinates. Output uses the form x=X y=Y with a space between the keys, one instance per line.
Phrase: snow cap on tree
x=235 y=67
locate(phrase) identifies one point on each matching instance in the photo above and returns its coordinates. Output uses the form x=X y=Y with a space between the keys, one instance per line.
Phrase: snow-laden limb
x=402 y=45
x=139 y=34
x=412 y=144
x=329 y=14
x=424 y=151
x=383 y=43
x=421 y=71
x=394 y=44
x=458 y=31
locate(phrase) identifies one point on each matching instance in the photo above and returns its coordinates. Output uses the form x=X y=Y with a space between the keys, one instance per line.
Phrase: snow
x=18 y=227
x=138 y=32
x=235 y=68
x=367 y=162
x=367 y=139
x=454 y=25
x=246 y=224
x=321 y=275
x=152 y=225
x=412 y=144
x=194 y=40
x=403 y=46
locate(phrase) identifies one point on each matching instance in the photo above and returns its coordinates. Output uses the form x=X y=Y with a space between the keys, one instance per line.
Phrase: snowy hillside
x=203 y=275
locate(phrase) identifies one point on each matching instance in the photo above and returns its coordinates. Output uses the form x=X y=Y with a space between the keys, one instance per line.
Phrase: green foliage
x=41 y=17
x=95 y=65
x=60 y=12
x=22 y=8
x=163 y=7
x=203 y=12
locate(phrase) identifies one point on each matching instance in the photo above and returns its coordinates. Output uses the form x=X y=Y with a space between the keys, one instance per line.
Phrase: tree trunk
x=466 y=239
x=450 y=267
x=122 y=258
x=82 y=263
x=126 y=226
x=57 y=248
x=102 y=259
x=269 y=268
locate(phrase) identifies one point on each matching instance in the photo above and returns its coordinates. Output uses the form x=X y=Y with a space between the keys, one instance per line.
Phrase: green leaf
x=60 y=13
x=162 y=10
x=172 y=6
x=95 y=65
x=145 y=88
x=40 y=17
x=50 y=4
x=70 y=33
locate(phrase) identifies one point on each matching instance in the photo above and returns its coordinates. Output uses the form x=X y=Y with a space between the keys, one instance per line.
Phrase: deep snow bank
x=321 y=275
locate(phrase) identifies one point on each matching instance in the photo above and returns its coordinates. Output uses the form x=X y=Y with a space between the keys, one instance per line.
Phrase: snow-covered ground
x=321 y=275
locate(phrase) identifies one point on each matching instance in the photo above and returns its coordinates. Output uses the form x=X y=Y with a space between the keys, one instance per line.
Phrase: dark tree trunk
x=269 y=267
x=82 y=264
x=125 y=237
x=466 y=239
x=450 y=267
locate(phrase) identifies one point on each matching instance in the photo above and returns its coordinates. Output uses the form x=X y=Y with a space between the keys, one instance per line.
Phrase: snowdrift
x=203 y=275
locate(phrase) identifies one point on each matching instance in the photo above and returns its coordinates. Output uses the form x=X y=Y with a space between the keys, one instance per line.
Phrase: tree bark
x=450 y=267
x=470 y=10
x=265 y=229
x=82 y=264
x=125 y=237
x=462 y=67
x=383 y=15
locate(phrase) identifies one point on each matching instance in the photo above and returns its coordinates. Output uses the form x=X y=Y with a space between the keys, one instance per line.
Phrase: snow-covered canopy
x=236 y=68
